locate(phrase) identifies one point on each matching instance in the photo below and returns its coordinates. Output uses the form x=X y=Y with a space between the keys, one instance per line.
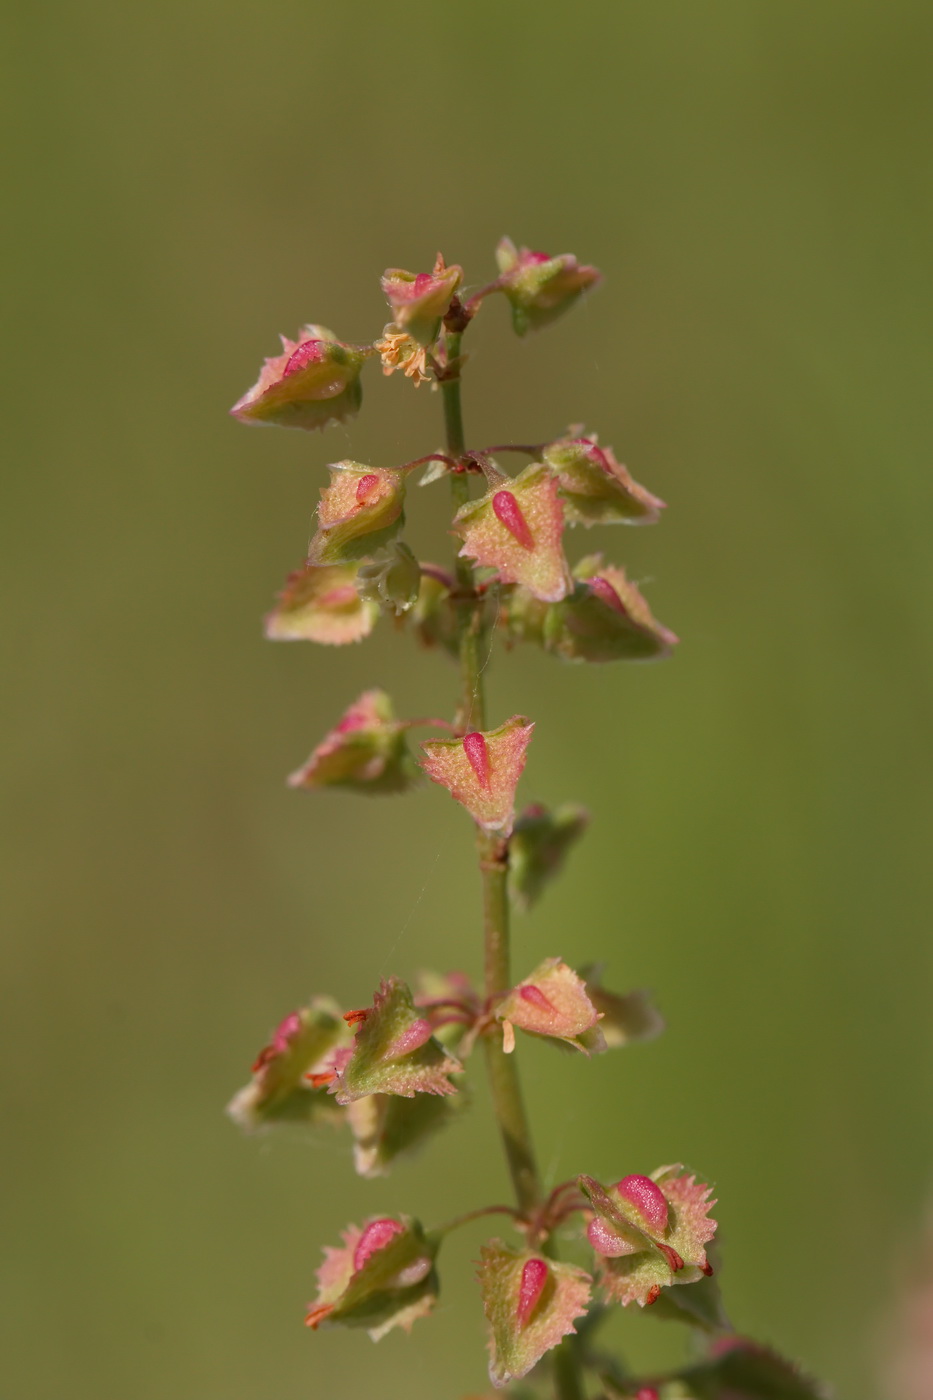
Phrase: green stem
x=469 y=609
x=505 y=1086
x=507 y=1099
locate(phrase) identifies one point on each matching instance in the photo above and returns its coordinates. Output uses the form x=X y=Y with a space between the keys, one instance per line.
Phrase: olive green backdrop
x=191 y=177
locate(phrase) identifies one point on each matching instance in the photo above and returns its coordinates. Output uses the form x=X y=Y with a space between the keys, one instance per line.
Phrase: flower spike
x=315 y=381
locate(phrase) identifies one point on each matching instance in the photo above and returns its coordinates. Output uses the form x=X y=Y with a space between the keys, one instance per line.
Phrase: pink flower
x=315 y=381
x=420 y=300
x=482 y=770
x=540 y=287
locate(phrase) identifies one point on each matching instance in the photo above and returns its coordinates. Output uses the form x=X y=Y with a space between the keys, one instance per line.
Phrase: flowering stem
x=505 y=1085
x=472 y=1215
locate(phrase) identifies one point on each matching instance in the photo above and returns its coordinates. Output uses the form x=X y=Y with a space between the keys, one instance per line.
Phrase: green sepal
x=699 y=1306
x=626 y=1017
x=519 y=1335
x=432 y=618
x=279 y=1091
x=598 y=490
x=387 y=1128
x=321 y=605
x=540 y=842
x=394 y=1051
x=365 y=752
x=743 y=1370
x=391 y=578
x=540 y=288
x=606 y=618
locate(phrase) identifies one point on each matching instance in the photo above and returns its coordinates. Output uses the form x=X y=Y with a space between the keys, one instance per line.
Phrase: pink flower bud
x=540 y=287
x=519 y=533
x=315 y=381
x=481 y=771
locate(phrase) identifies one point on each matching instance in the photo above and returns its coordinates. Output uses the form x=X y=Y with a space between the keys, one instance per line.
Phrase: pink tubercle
x=412 y=1038
x=535 y=257
x=422 y=282
x=606 y=593
x=307 y=353
x=647 y=1392
x=338 y=597
x=534 y=1279
x=376 y=1235
x=509 y=512
x=366 y=486
x=474 y=746
x=607 y=1241
x=286 y=1032
x=647 y=1198
x=530 y=993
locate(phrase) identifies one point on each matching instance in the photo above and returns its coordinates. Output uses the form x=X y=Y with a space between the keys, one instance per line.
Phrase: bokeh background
x=186 y=180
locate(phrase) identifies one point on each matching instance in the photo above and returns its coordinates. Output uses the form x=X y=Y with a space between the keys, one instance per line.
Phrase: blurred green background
x=187 y=180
